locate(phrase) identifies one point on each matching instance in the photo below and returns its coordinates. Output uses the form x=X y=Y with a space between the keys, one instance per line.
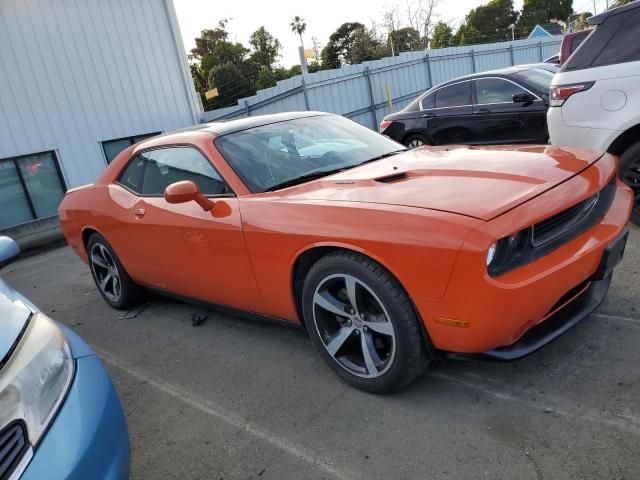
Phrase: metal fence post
x=247 y=110
x=540 y=50
x=511 y=52
x=305 y=94
x=473 y=61
x=426 y=59
x=374 y=114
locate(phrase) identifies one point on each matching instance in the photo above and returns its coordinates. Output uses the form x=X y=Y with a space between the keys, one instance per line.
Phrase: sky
x=322 y=17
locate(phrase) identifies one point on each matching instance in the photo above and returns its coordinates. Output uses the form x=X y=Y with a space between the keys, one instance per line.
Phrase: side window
x=428 y=102
x=453 y=96
x=169 y=165
x=132 y=175
x=624 y=45
x=494 y=90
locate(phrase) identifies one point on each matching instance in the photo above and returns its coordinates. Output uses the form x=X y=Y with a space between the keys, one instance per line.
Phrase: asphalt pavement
x=240 y=399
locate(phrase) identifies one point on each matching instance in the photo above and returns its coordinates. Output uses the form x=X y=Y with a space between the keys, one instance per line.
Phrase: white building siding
x=74 y=73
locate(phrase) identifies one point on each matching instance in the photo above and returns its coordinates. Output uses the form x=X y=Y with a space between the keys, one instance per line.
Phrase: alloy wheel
x=415 y=143
x=106 y=272
x=354 y=326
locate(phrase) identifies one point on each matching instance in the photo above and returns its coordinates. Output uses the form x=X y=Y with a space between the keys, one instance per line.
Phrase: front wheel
x=362 y=321
x=630 y=174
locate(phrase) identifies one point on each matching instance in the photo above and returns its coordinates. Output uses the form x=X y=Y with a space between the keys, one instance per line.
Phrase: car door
x=500 y=119
x=451 y=119
x=181 y=248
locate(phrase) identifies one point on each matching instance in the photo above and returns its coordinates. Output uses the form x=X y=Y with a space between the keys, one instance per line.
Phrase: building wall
x=76 y=73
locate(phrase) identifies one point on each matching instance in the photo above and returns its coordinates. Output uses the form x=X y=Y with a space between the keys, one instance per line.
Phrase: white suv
x=595 y=97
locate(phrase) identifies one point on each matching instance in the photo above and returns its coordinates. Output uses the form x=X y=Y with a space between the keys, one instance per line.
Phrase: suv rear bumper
x=562 y=134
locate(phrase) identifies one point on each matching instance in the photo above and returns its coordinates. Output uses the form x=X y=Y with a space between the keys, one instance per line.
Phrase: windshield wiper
x=384 y=155
x=303 y=178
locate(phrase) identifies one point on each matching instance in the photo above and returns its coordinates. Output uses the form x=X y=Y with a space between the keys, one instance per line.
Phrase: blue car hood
x=15 y=310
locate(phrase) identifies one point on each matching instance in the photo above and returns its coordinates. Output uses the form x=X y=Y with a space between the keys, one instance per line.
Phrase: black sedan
x=495 y=107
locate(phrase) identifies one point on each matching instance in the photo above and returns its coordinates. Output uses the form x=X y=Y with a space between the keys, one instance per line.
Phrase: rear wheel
x=363 y=323
x=630 y=174
x=112 y=280
x=416 y=140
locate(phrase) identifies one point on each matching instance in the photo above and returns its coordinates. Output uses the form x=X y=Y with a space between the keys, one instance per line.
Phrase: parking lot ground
x=239 y=399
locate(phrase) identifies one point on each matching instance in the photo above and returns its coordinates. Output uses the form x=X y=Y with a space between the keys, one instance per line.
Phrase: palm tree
x=298 y=27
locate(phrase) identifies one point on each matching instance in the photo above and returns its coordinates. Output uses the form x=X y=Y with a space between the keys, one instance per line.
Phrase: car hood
x=14 y=314
x=479 y=182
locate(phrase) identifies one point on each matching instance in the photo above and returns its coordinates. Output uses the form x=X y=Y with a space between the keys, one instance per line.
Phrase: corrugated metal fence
x=359 y=91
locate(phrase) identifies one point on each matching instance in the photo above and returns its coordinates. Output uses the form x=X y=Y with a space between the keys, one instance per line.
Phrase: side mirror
x=9 y=251
x=523 y=98
x=187 y=191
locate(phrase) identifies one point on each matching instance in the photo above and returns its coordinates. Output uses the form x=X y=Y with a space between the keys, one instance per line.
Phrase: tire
x=118 y=290
x=416 y=140
x=630 y=174
x=384 y=321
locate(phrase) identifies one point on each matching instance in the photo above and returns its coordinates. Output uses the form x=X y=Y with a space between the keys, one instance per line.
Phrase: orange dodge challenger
x=387 y=256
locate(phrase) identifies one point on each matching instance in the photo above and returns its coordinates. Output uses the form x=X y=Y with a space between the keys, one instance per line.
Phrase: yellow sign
x=209 y=94
x=308 y=53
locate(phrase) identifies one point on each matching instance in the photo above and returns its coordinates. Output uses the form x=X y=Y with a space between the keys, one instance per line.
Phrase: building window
x=113 y=147
x=31 y=187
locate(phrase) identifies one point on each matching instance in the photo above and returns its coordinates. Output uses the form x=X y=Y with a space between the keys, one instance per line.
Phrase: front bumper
x=88 y=438
x=480 y=314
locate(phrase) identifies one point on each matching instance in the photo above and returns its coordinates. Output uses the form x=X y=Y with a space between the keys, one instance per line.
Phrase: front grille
x=553 y=232
x=559 y=223
x=575 y=219
x=13 y=445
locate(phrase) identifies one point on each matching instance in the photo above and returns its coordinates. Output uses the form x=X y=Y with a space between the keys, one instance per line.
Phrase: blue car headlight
x=35 y=379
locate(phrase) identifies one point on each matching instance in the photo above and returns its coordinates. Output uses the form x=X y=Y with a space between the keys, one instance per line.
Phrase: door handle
x=483 y=110
x=139 y=213
x=430 y=114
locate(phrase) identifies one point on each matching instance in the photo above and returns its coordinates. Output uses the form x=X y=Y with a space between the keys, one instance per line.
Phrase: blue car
x=60 y=416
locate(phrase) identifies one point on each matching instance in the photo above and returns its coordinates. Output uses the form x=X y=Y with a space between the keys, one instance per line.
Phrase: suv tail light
x=558 y=94
x=383 y=125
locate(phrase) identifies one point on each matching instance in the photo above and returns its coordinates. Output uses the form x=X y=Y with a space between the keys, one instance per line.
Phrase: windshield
x=278 y=153
x=538 y=79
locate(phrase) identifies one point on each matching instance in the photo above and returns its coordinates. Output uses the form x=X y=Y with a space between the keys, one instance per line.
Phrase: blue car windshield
x=268 y=156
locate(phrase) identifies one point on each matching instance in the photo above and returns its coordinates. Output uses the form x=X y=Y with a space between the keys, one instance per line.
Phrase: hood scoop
x=394 y=177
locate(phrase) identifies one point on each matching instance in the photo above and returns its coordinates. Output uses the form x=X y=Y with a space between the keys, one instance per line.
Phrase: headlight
x=35 y=379
x=491 y=253
x=507 y=252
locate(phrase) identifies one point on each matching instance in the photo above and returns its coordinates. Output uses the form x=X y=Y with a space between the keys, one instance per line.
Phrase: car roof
x=499 y=72
x=225 y=127
x=599 y=19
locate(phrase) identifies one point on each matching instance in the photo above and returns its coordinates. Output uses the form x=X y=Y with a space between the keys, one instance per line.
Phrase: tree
x=233 y=82
x=442 y=36
x=316 y=47
x=352 y=43
x=266 y=48
x=298 y=26
x=420 y=16
x=331 y=56
x=578 y=21
x=488 y=23
x=213 y=49
x=405 y=39
x=542 y=11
